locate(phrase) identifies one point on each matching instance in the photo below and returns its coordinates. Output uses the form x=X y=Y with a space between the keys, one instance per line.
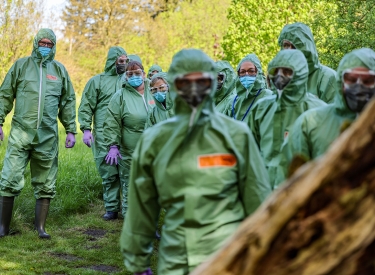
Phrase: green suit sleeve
x=140 y=224
x=112 y=126
x=88 y=104
x=150 y=119
x=8 y=93
x=67 y=106
x=327 y=87
x=254 y=181
x=297 y=143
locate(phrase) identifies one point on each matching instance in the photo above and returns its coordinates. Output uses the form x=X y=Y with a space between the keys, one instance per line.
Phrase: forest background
x=157 y=29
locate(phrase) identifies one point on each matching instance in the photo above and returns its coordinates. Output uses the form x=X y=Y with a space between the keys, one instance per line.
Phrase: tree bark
x=321 y=221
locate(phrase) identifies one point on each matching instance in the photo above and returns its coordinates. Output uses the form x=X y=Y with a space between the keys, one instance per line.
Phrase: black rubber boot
x=41 y=211
x=109 y=215
x=6 y=207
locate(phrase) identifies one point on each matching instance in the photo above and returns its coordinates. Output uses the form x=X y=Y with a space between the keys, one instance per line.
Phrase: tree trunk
x=321 y=221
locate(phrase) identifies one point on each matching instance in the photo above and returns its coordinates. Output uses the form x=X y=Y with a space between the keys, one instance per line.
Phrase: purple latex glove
x=70 y=140
x=1 y=133
x=146 y=272
x=88 y=138
x=112 y=155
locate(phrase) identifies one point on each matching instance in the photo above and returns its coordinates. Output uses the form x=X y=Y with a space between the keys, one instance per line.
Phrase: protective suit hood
x=154 y=68
x=134 y=57
x=168 y=99
x=297 y=87
x=229 y=81
x=364 y=57
x=259 y=81
x=190 y=61
x=302 y=38
x=44 y=33
x=113 y=54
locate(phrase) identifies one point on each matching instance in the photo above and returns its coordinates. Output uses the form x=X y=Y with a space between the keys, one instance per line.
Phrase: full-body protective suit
x=162 y=111
x=272 y=117
x=321 y=80
x=225 y=91
x=315 y=130
x=201 y=166
x=123 y=125
x=42 y=91
x=243 y=99
x=92 y=110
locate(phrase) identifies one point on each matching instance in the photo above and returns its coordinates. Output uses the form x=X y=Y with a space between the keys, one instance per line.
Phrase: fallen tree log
x=321 y=221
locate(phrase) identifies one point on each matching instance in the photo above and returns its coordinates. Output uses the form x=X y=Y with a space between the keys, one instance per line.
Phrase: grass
x=81 y=243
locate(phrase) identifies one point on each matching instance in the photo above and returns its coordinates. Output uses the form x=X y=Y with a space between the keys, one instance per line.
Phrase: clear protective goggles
x=287 y=72
x=137 y=72
x=161 y=88
x=350 y=78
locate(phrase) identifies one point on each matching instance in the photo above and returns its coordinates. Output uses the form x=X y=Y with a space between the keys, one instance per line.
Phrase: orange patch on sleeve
x=216 y=160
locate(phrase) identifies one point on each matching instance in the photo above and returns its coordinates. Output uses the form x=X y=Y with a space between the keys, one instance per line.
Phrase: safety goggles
x=220 y=77
x=45 y=44
x=182 y=82
x=137 y=72
x=161 y=88
x=287 y=72
x=250 y=72
x=287 y=45
x=350 y=78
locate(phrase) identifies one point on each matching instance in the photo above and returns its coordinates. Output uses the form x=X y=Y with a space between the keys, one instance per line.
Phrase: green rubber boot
x=6 y=207
x=41 y=211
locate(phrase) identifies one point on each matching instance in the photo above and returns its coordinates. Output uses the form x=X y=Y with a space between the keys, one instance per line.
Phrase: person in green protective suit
x=92 y=110
x=42 y=91
x=272 y=117
x=321 y=81
x=134 y=57
x=163 y=101
x=201 y=166
x=250 y=87
x=154 y=69
x=125 y=121
x=226 y=80
x=315 y=130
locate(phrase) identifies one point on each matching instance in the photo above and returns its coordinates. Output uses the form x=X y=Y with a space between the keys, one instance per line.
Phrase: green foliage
x=342 y=27
x=255 y=26
x=19 y=22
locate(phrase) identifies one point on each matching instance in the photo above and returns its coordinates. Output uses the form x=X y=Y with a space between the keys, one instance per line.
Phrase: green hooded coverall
x=123 y=125
x=321 y=80
x=154 y=68
x=272 y=117
x=315 y=130
x=203 y=168
x=92 y=110
x=242 y=100
x=222 y=95
x=42 y=90
x=160 y=113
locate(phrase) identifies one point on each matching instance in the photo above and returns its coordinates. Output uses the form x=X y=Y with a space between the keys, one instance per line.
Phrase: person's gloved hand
x=146 y=272
x=87 y=138
x=1 y=133
x=70 y=140
x=112 y=155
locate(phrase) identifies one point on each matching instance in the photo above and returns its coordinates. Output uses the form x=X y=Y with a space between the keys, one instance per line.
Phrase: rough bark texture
x=322 y=220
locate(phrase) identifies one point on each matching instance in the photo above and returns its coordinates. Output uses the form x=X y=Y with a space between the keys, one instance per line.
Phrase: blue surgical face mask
x=160 y=96
x=247 y=80
x=44 y=51
x=135 y=81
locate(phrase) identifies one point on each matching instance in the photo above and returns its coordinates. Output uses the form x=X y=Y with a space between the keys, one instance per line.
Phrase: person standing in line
x=91 y=114
x=42 y=91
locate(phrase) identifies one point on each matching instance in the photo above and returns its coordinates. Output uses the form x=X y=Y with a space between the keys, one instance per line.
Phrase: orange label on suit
x=216 y=160
x=151 y=102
